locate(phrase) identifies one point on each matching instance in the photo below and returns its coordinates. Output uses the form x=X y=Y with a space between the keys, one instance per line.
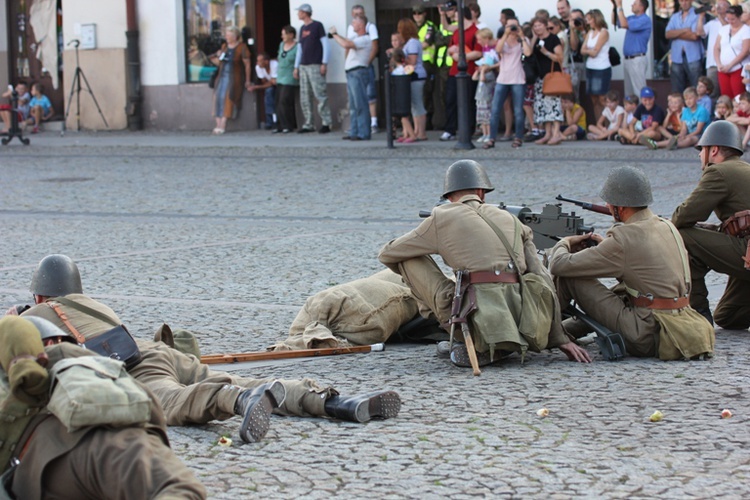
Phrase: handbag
x=530 y=69
x=557 y=83
x=614 y=56
x=116 y=343
x=212 y=79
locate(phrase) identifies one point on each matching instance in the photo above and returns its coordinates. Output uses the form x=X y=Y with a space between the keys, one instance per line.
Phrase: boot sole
x=257 y=421
x=384 y=405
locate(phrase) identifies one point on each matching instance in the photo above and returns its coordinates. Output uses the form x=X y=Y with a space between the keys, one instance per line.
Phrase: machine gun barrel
x=600 y=209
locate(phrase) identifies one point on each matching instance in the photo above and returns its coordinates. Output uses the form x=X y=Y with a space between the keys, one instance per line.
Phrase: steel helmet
x=722 y=133
x=627 y=187
x=47 y=329
x=55 y=276
x=466 y=174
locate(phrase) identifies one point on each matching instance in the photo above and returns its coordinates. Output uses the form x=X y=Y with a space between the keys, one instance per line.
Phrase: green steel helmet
x=627 y=187
x=55 y=276
x=47 y=329
x=466 y=174
x=722 y=133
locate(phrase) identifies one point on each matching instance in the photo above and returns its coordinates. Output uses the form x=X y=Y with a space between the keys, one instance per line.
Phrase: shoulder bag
x=557 y=83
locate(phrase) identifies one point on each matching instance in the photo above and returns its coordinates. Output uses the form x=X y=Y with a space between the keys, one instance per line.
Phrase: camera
x=577 y=22
x=702 y=9
x=330 y=35
x=513 y=27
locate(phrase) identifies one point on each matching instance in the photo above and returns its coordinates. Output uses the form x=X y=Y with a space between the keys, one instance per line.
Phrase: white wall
x=4 y=25
x=162 y=26
x=108 y=15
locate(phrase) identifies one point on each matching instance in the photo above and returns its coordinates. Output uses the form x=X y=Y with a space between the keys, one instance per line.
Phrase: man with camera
x=687 y=49
x=635 y=47
x=577 y=32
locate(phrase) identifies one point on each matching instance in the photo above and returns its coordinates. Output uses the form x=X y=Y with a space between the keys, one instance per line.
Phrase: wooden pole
x=244 y=357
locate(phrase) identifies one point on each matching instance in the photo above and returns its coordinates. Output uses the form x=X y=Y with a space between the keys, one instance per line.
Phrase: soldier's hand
x=17 y=310
x=707 y=225
x=575 y=353
x=583 y=241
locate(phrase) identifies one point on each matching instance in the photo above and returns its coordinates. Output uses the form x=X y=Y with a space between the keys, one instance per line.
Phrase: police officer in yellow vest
x=645 y=253
x=443 y=62
x=426 y=33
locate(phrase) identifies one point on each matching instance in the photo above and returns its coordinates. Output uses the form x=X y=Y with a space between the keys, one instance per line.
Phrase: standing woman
x=407 y=29
x=511 y=79
x=598 y=68
x=233 y=78
x=730 y=50
x=286 y=85
x=547 y=109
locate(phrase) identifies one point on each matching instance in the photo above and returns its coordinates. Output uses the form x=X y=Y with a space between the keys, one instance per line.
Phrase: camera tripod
x=76 y=88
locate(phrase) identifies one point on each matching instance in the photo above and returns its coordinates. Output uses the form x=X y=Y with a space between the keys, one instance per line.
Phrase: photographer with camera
x=635 y=48
x=683 y=30
x=576 y=34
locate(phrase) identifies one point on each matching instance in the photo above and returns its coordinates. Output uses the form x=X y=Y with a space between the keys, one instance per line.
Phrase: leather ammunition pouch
x=737 y=225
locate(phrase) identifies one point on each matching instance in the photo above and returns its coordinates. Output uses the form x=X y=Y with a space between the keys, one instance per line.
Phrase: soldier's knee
x=732 y=318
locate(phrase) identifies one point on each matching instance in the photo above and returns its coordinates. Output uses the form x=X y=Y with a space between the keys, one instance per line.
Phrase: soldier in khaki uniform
x=724 y=189
x=646 y=255
x=40 y=458
x=465 y=241
x=189 y=392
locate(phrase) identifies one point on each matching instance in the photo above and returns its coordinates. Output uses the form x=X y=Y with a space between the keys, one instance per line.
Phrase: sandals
x=218 y=131
x=489 y=144
x=517 y=143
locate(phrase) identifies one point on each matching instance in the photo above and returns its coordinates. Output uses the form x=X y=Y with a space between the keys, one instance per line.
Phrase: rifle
x=549 y=226
x=242 y=357
x=457 y=318
x=600 y=209
x=610 y=343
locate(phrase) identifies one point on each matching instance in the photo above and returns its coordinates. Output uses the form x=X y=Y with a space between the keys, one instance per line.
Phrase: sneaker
x=374 y=129
x=672 y=143
x=447 y=136
x=324 y=129
x=649 y=143
x=305 y=130
x=614 y=137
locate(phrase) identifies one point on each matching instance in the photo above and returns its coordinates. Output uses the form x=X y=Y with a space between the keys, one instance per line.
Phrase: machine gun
x=600 y=209
x=549 y=226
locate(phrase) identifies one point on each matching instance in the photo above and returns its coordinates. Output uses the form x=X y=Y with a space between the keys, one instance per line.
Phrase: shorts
x=580 y=133
x=417 y=98
x=528 y=98
x=597 y=81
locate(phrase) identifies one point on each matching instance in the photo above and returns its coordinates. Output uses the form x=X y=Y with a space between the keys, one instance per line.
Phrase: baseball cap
x=418 y=9
x=305 y=7
x=647 y=92
x=450 y=5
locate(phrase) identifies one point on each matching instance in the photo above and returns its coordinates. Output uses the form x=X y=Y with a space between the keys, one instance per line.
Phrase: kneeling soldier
x=645 y=253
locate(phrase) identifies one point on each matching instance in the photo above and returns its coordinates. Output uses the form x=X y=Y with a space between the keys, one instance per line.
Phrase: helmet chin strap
x=616 y=213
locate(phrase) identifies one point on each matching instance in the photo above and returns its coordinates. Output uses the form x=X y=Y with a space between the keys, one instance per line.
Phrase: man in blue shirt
x=635 y=47
x=687 y=49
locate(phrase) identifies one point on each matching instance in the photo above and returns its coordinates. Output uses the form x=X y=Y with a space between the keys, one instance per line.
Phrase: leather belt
x=635 y=55
x=476 y=277
x=658 y=303
x=355 y=69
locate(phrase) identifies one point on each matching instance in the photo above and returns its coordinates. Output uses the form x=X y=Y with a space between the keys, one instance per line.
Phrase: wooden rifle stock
x=243 y=357
x=600 y=209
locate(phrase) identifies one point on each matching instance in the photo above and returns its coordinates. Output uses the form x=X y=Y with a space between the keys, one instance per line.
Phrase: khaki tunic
x=465 y=242
x=189 y=392
x=643 y=254
x=99 y=462
x=724 y=189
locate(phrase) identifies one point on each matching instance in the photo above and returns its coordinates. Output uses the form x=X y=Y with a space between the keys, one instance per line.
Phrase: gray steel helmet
x=466 y=174
x=47 y=329
x=55 y=276
x=722 y=133
x=627 y=187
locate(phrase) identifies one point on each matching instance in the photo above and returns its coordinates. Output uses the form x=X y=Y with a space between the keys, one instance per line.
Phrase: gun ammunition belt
x=476 y=277
x=677 y=303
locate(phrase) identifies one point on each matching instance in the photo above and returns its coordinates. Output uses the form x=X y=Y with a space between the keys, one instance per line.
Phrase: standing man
x=635 y=47
x=460 y=233
x=645 y=253
x=372 y=92
x=577 y=32
x=724 y=189
x=563 y=11
x=357 y=76
x=711 y=31
x=683 y=29
x=310 y=67
x=426 y=33
x=266 y=69
x=473 y=52
x=443 y=61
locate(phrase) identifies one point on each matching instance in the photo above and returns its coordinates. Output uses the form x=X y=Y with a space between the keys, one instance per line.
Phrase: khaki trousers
x=637 y=325
x=430 y=286
x=711 y=250
x=191 y=393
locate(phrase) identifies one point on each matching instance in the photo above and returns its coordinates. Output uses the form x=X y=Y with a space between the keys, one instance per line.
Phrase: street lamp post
x=462 y=86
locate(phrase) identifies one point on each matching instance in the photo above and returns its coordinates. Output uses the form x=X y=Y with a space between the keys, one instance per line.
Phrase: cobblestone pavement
x=228 y=236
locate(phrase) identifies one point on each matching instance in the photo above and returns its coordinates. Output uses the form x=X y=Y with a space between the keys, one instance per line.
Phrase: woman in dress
x=286 y=85
x=598 y=68
x=547 y=109
x=233 y=78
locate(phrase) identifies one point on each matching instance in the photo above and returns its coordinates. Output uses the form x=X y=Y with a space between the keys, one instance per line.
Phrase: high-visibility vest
x=443 y=59
x=428 y=54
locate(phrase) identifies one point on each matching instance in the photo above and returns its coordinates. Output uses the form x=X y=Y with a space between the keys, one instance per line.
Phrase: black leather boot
x=255 y=407
x=362 y=408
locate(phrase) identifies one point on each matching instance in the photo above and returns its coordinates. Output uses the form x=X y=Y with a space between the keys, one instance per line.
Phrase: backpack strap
x=64 y=318
x=86 y=310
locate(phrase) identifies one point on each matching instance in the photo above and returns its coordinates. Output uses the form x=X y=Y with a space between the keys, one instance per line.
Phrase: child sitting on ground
x=647 y=119
x=630 y=104
x=724 y=108
x=672 y=124
x=575 y=119
x=741 y=114
x=611 y=120
x=485 y=74
x=22 y=109
x=693 y=121
x=705 y=88
x=40 y=108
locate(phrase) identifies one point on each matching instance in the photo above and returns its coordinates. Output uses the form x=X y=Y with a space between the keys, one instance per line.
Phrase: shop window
x=205 y=24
